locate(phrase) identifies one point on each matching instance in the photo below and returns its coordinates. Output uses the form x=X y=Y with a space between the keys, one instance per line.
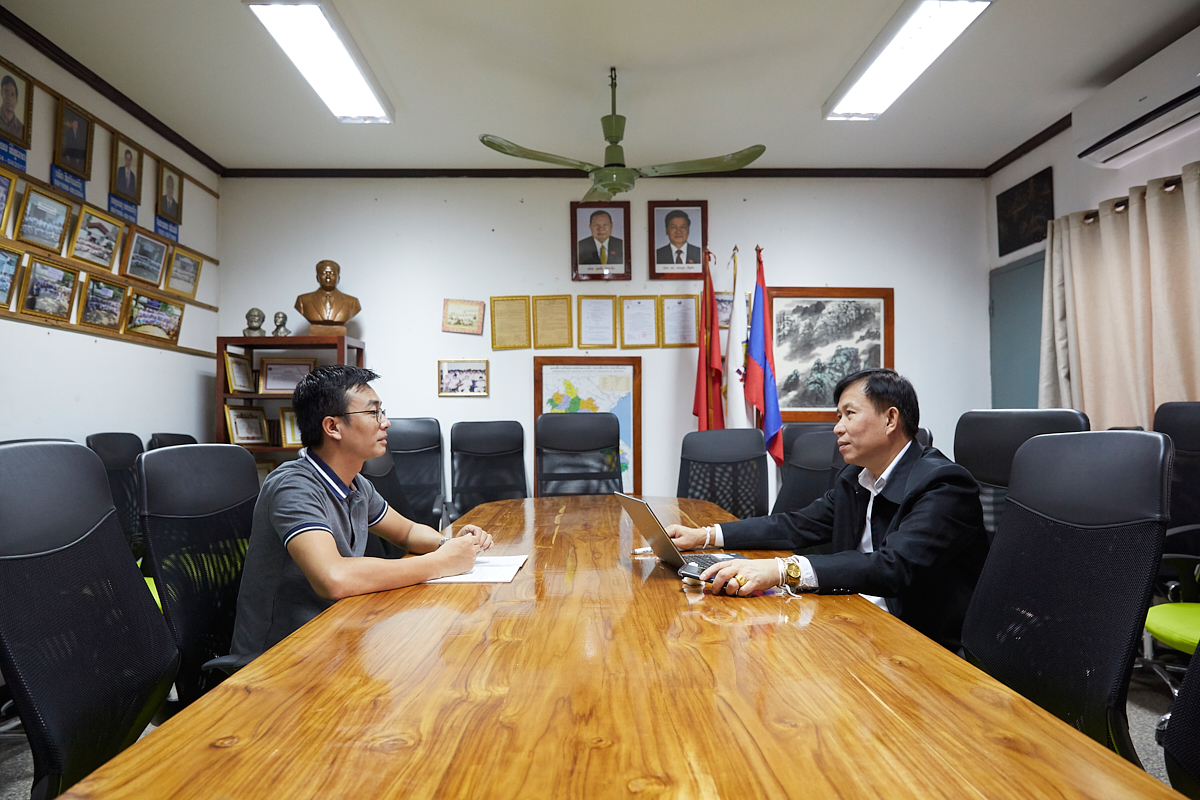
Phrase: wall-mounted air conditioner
x=1155 y=103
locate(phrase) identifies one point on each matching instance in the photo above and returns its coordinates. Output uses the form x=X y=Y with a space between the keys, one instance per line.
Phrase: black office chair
x=986 y=441
x=810 y=473
x=791 y=431
x=726 y=467
x=1179 y=734
x=1057 y=614
x=487 y=463
x=83 y=647
x=381 y=472
x=577 y=454
x=119 y=452
x=197 y=508
x=1181 y=421
x=158 y=440
x=416 y=445
x=924 y=437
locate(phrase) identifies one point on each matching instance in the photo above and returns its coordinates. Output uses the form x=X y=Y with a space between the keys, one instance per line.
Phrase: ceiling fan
x=614 y=177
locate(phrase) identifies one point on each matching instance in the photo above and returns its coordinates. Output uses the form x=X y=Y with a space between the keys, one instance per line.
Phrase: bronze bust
x=254 y=323
x=327 y=310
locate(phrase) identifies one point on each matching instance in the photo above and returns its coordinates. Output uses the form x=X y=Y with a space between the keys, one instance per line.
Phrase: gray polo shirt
x=302 y=495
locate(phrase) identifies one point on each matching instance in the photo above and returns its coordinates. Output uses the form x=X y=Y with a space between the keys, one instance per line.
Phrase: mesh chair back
x=197 y=508
x=726 y=467
x=1181 y=743
x=416 y=445
x=1181 y=421
x=83 y=646
x=487 y=460
x=381 y=472
x=810 y=473
x=158 y=440
x=791 y=431
x=119 y=452
x=578 y=454
x=1058 y=612
x=986 y=441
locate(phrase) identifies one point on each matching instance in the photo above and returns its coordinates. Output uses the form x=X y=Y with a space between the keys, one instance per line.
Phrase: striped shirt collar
x=332 y=482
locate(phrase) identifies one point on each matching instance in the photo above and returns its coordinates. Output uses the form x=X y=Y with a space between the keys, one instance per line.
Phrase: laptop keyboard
x=705 y=560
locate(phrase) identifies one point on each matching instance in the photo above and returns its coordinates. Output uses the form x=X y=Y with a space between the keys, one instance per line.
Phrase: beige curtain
x=1121 y=305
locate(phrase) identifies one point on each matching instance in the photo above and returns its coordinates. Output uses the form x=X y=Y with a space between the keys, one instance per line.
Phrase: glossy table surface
x=596 y=674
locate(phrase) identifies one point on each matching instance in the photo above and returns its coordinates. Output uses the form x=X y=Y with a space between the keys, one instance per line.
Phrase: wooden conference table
x=595 y=674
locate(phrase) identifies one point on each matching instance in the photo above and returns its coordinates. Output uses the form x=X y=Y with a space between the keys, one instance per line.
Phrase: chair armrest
x=228 y=664
x=450 y=513
x=1186 y=567
x=1183 y=529
x=438 y=502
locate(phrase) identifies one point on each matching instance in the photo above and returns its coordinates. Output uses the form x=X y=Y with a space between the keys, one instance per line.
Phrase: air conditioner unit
x=1155 y=103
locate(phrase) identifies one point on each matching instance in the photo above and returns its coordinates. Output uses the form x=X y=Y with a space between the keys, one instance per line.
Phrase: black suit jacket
x=666 y=254
x=926 y=528
x=126 y=182
x=588 y=254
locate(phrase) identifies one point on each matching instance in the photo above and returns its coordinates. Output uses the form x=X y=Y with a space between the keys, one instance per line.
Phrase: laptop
x=653 y=531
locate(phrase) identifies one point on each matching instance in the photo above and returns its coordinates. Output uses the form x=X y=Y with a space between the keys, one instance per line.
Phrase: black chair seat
x=578 y=454
x=726 y=467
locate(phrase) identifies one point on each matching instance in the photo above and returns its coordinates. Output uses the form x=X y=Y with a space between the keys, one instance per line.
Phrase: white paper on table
x=488 y=569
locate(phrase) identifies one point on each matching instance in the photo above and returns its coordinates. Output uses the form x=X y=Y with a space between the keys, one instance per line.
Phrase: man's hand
x=483 y=539
x=687 y=538
x=457 y=555
x=743 y=576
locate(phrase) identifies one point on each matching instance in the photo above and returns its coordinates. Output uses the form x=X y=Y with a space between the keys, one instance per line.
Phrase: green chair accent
x=1177 y=623
x=154 y=591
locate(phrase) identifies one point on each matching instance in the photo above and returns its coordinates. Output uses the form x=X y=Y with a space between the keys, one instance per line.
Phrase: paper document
x=488 y=569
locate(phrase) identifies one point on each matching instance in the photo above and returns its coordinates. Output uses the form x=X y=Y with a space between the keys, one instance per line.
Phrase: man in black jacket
x=904 y=522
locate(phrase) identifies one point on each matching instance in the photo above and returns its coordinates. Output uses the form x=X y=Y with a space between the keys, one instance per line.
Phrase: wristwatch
x=443 y=541
x=792 y=577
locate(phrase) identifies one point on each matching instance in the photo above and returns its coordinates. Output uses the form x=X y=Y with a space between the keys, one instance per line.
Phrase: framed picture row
x=595 y=321
x=602 y=240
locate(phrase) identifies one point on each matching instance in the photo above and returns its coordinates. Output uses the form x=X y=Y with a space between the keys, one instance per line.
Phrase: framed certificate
x=289 y=428
x=280 y=375
x=552 y=321
x=597 y=321
x=238 y=373
x=510 y=323
x=247 y=424
x=679 y=320
x=639 y=322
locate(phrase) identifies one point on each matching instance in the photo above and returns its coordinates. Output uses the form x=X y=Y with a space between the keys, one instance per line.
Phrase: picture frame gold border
x=232 y=429
x=117 y=138
x=28 y=276
x=570 y=342
x=284 y=441
x=492 y=310
x=25 y=140
x=64 y=104
x=615 y=321
x=621 y=303
x=170 y=268
x=134 y=232
x=102 y=277
x=487 y=377
x=18 y=273
x=30 y=191
x=109 y=218
x=229 y=359
x=135 y=291
x=265 y=363
x=662 y=319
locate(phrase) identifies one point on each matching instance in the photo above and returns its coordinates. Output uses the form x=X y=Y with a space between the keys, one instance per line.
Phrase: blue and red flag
x=760 y=368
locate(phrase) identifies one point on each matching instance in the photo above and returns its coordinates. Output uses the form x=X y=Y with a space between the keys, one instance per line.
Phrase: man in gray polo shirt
x=310 y=523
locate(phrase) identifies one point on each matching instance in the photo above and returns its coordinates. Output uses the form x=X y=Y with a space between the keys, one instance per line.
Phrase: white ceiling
x=697 y=77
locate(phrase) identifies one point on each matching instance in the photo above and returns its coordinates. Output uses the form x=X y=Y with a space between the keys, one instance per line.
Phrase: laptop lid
x=651 y=529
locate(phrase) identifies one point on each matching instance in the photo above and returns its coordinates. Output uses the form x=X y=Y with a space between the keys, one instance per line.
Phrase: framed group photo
x=16 y=104
x=461 y=377
x=10 y=269
x=600 y=241
x=43 y=219
x=145 y=257
x=170 y=193
x=49 y=290
x=102 y=303
x=126 y=180
x=462 y=316
x=678 y=238
x=153 y=317
x=73 y=140
x=821 y=335
x=183 y=277
x=97 y=238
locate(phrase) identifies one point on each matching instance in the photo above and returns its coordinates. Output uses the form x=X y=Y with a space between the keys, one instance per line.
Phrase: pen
x=641 y=551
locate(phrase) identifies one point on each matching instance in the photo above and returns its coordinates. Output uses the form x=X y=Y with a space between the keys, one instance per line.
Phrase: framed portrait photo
x=169 y=203
x=821 y=335
x=678 y=238
x=126 y=180
x=10 y=271
x=153 y=317
x=102 y=303
x=145 y=257
x=600 y=241
x=460 y=377
x=462 y=316
x=43 y=219
x=16 y=104
x=97 y=238
x=280 y=375
x=289 y=429
x=183 y=277
x=73 y=140
x=247 y=425
x=8 y=188
x=239 y=374
x=48 y=290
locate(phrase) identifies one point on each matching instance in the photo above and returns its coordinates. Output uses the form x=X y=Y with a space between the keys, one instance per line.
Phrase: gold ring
x=741 y=579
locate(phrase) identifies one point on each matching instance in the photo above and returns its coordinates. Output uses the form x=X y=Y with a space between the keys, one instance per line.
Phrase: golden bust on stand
x=327 y=310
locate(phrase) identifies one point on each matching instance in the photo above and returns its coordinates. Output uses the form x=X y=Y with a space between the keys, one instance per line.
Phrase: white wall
x=405 y=245
x=76 y=384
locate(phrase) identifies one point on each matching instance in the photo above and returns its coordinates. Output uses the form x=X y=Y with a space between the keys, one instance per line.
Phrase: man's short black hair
x=323 y=393
x=598 y=213
x=885 y=389
x=8 y=80
x=677 y=214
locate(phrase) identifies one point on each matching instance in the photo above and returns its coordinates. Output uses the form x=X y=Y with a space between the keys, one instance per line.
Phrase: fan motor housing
x=614 y=179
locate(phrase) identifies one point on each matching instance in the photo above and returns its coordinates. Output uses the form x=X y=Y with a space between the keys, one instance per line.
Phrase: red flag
x=707 y=403
x=760 y=368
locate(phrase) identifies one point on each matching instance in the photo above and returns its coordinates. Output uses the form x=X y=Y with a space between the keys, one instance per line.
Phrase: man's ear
x=893 y=419
x=332 y=427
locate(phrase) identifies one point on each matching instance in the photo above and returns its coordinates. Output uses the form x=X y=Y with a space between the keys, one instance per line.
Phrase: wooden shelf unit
x=248 y=345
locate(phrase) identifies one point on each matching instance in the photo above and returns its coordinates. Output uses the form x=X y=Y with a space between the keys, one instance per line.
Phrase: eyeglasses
x=380 y=414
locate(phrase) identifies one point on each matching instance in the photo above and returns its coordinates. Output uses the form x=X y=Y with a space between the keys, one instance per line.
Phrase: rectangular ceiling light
x=910 y=42
x=309 y=35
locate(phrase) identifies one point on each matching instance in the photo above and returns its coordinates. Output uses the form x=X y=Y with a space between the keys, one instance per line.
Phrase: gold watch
x=792 y=576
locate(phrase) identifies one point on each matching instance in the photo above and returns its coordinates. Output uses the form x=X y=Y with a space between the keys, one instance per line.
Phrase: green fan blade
x=718 y=164
x=510 y=149
x=596 y=194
